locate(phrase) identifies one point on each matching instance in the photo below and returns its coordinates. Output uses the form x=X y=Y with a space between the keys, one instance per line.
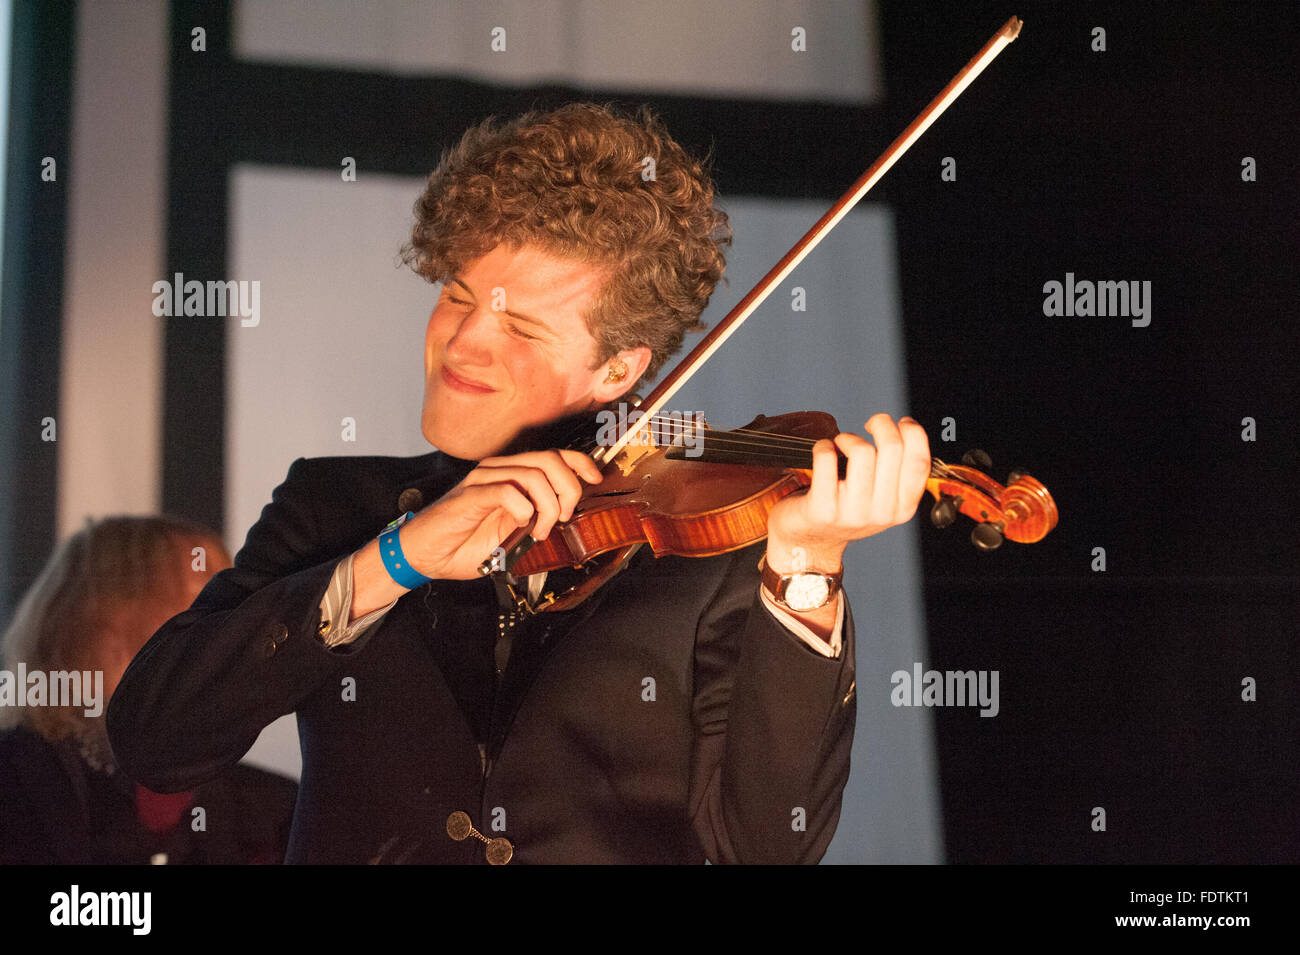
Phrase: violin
x=717 y=496
x=709 y=492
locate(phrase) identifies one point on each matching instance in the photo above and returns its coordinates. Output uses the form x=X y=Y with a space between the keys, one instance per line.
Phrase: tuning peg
x=975 y=458
x=944 y=511
x=1015 y=476
x=986 y=537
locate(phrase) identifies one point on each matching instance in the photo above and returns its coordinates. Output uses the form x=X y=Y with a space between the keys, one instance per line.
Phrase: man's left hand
x=882 y=486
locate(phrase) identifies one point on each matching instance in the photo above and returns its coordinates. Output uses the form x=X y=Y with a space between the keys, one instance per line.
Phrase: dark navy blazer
x=668 y=719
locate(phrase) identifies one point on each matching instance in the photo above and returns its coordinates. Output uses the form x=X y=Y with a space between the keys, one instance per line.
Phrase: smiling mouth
x=464 y=385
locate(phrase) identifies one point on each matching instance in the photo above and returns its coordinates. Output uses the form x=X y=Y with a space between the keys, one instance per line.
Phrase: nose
x=471 y=344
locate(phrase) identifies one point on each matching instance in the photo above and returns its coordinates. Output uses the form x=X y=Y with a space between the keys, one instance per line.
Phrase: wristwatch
x=800 y=592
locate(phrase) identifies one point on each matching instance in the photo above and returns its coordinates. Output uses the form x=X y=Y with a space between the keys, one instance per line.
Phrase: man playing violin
x=689 y=709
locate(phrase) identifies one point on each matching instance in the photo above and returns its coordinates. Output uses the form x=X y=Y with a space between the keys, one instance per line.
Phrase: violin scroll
x=1023 y=511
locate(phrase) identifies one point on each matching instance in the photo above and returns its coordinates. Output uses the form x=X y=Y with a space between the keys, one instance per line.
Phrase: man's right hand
x=453 y=535
x=450 y=538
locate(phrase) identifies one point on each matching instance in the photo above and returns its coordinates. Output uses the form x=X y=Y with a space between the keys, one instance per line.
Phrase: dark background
x=1123 y=164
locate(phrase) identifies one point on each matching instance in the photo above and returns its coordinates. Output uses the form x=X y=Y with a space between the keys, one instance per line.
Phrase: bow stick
x=711 y=342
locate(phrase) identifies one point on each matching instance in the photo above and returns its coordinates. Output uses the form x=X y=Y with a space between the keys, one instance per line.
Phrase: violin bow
x=652 y=404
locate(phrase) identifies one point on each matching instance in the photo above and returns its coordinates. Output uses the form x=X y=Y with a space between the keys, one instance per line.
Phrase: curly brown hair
x=573 y=183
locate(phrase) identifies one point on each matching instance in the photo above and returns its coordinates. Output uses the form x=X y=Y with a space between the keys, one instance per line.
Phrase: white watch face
x=807 y=592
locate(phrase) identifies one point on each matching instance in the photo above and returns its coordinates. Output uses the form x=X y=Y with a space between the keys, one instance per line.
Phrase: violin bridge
x=627 y=459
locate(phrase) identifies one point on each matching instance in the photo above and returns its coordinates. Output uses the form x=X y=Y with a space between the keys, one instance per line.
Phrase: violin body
x=689 y=507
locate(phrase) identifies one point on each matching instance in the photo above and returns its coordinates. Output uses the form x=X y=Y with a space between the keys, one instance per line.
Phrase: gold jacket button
x=276 y=634
x=459 y=826
x=499 y=851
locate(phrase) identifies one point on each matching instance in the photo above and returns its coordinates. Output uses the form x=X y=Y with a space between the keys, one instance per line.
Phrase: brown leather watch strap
x=775 y=583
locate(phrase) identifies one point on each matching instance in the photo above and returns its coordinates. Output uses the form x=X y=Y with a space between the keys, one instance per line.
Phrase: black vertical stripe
x=201 y=143
x=35 y=227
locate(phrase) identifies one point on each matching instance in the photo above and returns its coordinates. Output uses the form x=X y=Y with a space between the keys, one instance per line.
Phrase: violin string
x=772 y=449
x=768 y=439
x=668 y=423
x=740 y=441
x=937 y=467
x=731 y=438
x=788 y=458
x=659 y=424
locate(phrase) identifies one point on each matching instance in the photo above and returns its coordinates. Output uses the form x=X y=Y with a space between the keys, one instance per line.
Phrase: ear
x=635 y=360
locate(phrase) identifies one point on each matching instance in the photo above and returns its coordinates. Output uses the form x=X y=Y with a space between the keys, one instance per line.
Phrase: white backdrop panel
x=740 y=48
x=843 y=355
x=341 y=335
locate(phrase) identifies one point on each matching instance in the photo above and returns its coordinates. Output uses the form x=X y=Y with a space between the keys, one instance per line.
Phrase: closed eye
x=512 y=328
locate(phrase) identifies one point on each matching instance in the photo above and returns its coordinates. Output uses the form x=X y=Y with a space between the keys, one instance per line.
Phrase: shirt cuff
x=827 y=648
x=335 y=630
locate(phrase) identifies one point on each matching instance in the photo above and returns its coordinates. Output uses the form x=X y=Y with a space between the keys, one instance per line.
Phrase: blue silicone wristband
x=390 y=551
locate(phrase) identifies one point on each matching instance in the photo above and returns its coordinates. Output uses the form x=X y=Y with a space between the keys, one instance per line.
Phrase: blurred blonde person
x=104 y=591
